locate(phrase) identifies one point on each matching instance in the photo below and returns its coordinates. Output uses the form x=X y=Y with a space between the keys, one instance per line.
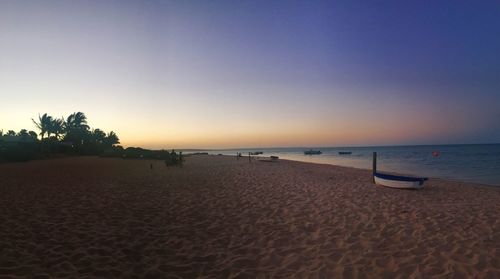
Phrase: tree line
x=71 y=135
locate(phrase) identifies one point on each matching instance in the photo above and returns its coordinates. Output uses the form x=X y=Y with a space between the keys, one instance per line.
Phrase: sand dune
x=219 y=217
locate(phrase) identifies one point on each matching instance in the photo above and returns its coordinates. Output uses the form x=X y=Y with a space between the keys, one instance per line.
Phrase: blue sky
x=256 y=73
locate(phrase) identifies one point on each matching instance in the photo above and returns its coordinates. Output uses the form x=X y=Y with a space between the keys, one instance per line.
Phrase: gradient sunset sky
x=221 y=74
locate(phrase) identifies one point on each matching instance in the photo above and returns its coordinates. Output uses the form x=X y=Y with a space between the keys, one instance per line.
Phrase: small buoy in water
x=436 y=153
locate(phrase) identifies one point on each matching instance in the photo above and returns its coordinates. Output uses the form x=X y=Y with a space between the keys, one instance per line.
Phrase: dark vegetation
x=71 y=137
x=171 y=158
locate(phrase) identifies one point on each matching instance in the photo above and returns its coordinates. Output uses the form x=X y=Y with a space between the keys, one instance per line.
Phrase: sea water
x=478 y=163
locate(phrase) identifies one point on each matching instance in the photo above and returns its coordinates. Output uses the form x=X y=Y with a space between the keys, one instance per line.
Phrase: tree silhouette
x=57 y=127
x=77 y=130
x=59 y=135
x=111 y=139
x=26 y=135
x=23 y=134
x=98 y=136
x=44 y=124
x=77 y=121
x=33 y=135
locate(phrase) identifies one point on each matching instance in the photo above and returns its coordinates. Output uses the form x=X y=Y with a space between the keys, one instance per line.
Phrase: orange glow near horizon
x=237 y=127
x=402 y=130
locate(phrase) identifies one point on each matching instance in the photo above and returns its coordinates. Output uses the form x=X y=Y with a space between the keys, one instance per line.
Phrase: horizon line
x=309 y=147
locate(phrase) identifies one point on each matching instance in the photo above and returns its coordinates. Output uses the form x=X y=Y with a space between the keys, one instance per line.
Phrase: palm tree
x=44 y=124
x=111 y=139
x=98 y=136
x=77 y=130
x=57 y=127
x=77 y=121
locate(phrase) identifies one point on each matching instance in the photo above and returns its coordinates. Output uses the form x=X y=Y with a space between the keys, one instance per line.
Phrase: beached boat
x=312 y=152
x=271 y=159
x=397 y=181
x=345 y=152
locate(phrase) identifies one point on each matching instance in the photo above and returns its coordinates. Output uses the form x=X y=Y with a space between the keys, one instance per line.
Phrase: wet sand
x=219 y=217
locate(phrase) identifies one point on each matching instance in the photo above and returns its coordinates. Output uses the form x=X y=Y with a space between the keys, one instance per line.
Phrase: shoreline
x=476 y=163
x=390 y=172
x=450 y=180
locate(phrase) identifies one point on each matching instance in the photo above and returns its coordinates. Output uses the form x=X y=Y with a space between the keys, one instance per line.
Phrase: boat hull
x=400 y=182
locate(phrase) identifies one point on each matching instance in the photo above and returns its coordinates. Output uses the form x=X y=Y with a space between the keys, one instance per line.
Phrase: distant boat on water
x=312 y=152
x=454 y=161
x=345 y=152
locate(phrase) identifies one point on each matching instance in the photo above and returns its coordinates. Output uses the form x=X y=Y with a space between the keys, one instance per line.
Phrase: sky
x=228 y=74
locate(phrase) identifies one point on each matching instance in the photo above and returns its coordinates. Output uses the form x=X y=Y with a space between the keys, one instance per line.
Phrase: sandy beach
x=227 y=218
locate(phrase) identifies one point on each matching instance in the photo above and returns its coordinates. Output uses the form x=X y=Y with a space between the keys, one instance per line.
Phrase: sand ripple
x=219 y=217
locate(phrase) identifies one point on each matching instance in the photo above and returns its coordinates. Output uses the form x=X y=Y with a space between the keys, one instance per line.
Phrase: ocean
x=478 y=163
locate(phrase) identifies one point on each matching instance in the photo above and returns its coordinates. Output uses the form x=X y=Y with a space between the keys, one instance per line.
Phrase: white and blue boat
x=312 y=152
x=398 y=181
